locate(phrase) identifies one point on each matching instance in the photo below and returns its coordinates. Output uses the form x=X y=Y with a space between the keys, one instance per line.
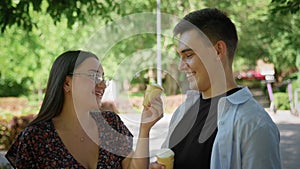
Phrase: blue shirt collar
x=240 y=96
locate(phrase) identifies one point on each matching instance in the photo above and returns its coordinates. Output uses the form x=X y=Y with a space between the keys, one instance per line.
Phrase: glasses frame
x=98 y=79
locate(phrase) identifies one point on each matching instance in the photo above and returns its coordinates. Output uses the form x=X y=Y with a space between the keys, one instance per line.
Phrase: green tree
x=19 y=12
x=285 y=6
x=27 y=55
x=35 y=32
x=285 y=23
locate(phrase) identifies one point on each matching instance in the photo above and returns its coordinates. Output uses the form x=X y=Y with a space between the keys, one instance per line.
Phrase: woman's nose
x=101 y=85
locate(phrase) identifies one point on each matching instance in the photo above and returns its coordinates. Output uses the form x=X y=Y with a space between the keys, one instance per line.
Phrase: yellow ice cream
x=152 y=91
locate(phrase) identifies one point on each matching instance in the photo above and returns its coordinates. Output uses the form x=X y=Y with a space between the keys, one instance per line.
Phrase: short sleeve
x=114 y=136
x=21 y=154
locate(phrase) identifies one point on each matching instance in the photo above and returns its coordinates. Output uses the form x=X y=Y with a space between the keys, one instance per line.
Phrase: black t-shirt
x=189 y=152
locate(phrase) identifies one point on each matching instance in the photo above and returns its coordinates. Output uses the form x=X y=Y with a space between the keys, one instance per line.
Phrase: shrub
x=281 y=101
x=10 y=87
x=10 y=129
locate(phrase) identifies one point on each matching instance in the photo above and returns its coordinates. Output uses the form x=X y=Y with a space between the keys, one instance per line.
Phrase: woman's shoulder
x=41 y=129
x=29 y=142
x=109 y=116
x=112 y=119
x=40 y=126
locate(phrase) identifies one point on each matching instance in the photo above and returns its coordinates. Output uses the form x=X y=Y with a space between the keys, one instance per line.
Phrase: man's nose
x=182 y=65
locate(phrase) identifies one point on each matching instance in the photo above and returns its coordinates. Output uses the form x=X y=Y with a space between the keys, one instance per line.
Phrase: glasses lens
x=97 y=78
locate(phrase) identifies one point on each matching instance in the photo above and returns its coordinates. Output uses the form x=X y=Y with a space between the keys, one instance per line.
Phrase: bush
x=281 y=101
x=10 y=87
x=10 y=129
x=5 y=166
x=249 y=83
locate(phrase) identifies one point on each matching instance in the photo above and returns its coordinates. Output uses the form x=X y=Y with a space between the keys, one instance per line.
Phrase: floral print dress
x=39 y=145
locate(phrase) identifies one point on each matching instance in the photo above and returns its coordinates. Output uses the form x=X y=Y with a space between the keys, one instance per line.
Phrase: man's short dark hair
x=214 y=24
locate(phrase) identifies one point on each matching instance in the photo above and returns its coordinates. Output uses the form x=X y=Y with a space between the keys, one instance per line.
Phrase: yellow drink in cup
x=152 y=91
x=165 y=157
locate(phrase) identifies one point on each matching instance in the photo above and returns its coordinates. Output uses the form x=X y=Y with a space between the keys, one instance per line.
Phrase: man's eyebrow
x=93 y=70
x=186 y=50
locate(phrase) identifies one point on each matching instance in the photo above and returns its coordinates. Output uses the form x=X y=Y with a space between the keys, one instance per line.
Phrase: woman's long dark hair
x=54 y=96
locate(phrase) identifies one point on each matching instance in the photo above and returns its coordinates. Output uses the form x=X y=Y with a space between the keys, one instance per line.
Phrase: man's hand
x=155 y=165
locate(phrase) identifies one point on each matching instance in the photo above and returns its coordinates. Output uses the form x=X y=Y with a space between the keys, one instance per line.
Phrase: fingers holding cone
x=153 y=106
x=152 y=91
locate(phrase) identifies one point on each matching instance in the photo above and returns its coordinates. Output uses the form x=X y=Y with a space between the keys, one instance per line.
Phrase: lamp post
x=158 y=41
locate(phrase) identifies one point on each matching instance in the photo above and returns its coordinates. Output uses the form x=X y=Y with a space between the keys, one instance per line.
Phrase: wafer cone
x=152 y=91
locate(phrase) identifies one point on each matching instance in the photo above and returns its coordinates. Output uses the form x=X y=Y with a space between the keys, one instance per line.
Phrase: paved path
x=157 y=134
x=288 y=125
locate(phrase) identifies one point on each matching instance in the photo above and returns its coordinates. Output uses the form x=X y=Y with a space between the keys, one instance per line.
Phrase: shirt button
x=221 y=122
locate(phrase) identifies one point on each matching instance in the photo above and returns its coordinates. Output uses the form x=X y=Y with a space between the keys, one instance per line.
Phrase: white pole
x=158 y=52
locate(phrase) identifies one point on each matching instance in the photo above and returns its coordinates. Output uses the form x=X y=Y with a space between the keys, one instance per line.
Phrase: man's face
x=190 y=62
x=195 y=59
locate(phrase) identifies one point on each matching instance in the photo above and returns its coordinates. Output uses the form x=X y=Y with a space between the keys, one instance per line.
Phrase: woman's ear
x=68 y=84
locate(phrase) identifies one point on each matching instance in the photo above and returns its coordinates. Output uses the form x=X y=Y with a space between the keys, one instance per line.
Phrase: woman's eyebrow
x=96 y=71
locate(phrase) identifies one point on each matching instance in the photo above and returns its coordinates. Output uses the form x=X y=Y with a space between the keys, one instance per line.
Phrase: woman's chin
x=98 y=99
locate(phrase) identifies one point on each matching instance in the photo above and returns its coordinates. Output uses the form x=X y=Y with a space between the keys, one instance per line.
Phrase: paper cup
x=165 y=157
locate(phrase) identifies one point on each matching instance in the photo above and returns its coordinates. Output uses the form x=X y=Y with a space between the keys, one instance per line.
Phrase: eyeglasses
x=99 y=79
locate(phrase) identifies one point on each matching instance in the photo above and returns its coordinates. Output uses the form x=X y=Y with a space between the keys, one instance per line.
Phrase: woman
x=70 y=132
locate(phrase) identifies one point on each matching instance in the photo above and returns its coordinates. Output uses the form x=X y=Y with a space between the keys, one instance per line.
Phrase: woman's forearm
x=140 y=157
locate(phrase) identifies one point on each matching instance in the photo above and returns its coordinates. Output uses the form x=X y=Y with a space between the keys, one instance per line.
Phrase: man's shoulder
x=240 y=96
x=253 y=115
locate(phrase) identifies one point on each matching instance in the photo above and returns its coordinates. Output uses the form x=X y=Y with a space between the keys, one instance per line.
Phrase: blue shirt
x=247 y=137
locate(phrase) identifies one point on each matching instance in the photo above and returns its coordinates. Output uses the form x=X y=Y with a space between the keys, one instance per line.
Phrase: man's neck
x=216 y=91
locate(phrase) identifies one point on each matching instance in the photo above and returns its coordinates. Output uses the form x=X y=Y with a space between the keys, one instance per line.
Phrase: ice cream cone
x=152 y=91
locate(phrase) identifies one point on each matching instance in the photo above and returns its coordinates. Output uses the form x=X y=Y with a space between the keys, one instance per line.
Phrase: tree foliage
x=285 y=6
x=22 y=13
x=34 y=32
x=284 y=23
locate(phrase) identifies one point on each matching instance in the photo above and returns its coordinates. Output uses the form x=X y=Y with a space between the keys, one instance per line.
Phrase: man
x=220 y=125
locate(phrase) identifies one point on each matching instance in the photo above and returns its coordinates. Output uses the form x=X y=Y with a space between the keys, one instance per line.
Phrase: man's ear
x=68 y=84
x=221 y=49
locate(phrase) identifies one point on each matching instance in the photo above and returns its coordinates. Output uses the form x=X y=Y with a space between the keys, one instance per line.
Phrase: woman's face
x=87 y=85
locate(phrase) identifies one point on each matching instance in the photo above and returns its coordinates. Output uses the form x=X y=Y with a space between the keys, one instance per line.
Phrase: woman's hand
x=152 y=113
x=108 y=106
